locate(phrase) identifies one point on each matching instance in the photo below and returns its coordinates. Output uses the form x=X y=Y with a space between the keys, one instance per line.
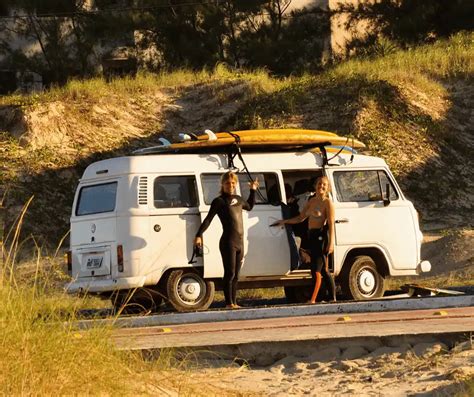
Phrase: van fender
x=376 y=252
x=159 y=275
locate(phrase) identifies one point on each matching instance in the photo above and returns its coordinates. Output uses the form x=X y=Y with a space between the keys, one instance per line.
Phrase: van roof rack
x=232 y=148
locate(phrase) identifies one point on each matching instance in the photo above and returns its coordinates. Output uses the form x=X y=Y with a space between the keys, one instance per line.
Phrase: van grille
x=142 y=190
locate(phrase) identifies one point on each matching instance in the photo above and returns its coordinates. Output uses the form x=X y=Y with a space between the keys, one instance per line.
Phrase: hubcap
x=366 y=282
x=189 y=289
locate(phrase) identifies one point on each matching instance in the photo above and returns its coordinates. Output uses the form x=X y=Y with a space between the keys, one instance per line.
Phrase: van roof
x=192 y=163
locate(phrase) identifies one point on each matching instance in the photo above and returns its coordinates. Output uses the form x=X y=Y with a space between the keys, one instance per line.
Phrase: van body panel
x=171 y=234
x=133 y=236
x=155 y=240
x=94 y=229
x=372 y=223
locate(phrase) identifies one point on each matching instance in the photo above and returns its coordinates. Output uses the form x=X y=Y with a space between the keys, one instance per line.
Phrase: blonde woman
x=319 y=210
x=228 y=206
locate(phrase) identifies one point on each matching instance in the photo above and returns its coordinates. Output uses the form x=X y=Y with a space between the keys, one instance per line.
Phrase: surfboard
x=257 y=140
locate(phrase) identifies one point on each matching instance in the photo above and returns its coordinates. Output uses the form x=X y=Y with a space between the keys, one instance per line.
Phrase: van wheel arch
x=187 y=290
x=363 y=274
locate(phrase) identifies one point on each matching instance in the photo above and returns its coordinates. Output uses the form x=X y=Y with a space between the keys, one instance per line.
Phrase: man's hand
x=198 y=242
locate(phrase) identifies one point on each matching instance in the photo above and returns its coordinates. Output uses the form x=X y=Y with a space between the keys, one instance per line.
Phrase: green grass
x=441 y=60
x=95 y=89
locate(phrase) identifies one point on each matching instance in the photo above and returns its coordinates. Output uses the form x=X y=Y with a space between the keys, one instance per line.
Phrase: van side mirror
x=386 y=199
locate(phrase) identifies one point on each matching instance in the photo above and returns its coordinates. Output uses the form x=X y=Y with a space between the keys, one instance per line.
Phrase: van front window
x=359 y=186
x=96 y=199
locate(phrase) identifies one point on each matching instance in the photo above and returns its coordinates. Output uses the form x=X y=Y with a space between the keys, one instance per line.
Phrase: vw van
x=134 y=220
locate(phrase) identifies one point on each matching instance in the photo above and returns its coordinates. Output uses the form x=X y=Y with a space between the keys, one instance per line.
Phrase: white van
x=134 y=220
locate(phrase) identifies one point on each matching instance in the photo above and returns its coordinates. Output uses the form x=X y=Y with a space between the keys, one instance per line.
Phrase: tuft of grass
x=42 y=353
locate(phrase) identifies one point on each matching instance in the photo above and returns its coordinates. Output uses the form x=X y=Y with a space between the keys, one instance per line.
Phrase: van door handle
x=343 y=220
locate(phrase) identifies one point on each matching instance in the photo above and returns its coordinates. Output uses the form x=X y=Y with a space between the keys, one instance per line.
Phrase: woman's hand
x=198 y=242
x=330 y=249
x=254 y=185
x=281 y=222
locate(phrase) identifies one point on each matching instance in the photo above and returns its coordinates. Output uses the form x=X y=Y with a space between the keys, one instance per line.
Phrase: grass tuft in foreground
x=43 y=353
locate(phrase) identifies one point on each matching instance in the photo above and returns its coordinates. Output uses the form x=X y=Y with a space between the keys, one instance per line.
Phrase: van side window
x=96 y=199
x=269 y=188
x=211 y=184
x=175 y=191
x=362 y=186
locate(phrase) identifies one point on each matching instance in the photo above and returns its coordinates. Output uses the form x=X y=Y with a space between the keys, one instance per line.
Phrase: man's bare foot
x=236 y=306
x=229 y=306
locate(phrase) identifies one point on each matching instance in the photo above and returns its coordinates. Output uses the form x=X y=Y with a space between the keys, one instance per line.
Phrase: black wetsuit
x=318 y=240
x=229 y=209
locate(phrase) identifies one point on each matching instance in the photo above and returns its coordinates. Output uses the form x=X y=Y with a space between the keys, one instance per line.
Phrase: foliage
x=169 y=36
x=406 y=22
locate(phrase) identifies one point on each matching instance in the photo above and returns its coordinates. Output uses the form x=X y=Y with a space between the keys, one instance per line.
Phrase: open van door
x=267 y=251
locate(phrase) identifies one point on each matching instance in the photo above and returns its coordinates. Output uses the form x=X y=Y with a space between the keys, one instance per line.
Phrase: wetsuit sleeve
x=215 y=206
x=248 y=205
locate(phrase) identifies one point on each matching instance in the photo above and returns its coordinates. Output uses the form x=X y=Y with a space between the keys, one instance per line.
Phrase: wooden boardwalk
x=298 y=328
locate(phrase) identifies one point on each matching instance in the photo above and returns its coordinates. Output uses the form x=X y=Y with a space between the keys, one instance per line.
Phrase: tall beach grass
x=43 y=353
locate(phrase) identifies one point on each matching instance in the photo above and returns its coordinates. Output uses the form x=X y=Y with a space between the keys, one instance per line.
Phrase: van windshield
x=96 y=199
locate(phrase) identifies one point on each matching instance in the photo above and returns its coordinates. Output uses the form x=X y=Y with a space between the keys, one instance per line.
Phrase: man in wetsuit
x=228 y=207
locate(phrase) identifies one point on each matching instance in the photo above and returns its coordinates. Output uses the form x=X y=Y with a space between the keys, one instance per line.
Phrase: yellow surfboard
x=258 y=140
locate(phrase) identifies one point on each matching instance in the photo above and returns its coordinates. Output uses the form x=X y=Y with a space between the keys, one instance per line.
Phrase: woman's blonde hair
x=323 y=178
x=225 y=177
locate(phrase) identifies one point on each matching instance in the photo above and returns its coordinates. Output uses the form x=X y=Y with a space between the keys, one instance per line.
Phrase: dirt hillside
x=422 y=127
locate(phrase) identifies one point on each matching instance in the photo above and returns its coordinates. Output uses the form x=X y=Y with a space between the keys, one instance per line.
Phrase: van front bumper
x=423 y=267
x=107 y=285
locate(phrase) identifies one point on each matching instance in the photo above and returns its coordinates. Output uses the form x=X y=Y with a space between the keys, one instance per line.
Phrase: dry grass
x=41 y=353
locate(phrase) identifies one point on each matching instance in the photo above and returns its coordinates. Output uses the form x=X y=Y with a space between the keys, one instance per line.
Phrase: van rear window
x=96 y=199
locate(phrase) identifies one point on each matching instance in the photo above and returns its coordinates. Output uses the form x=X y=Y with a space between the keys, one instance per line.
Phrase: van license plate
x=94 y=263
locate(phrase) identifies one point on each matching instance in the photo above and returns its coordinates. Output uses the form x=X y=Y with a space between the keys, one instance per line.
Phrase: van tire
x=362 y=280
x=187 y=291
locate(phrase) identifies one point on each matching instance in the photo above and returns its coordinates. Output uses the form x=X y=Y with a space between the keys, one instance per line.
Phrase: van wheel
x=188 y=291
x=363 y=281
x=139 y=301
x=299 y=294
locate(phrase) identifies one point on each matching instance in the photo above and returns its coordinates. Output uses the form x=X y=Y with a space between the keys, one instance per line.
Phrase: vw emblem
x=93 y=228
